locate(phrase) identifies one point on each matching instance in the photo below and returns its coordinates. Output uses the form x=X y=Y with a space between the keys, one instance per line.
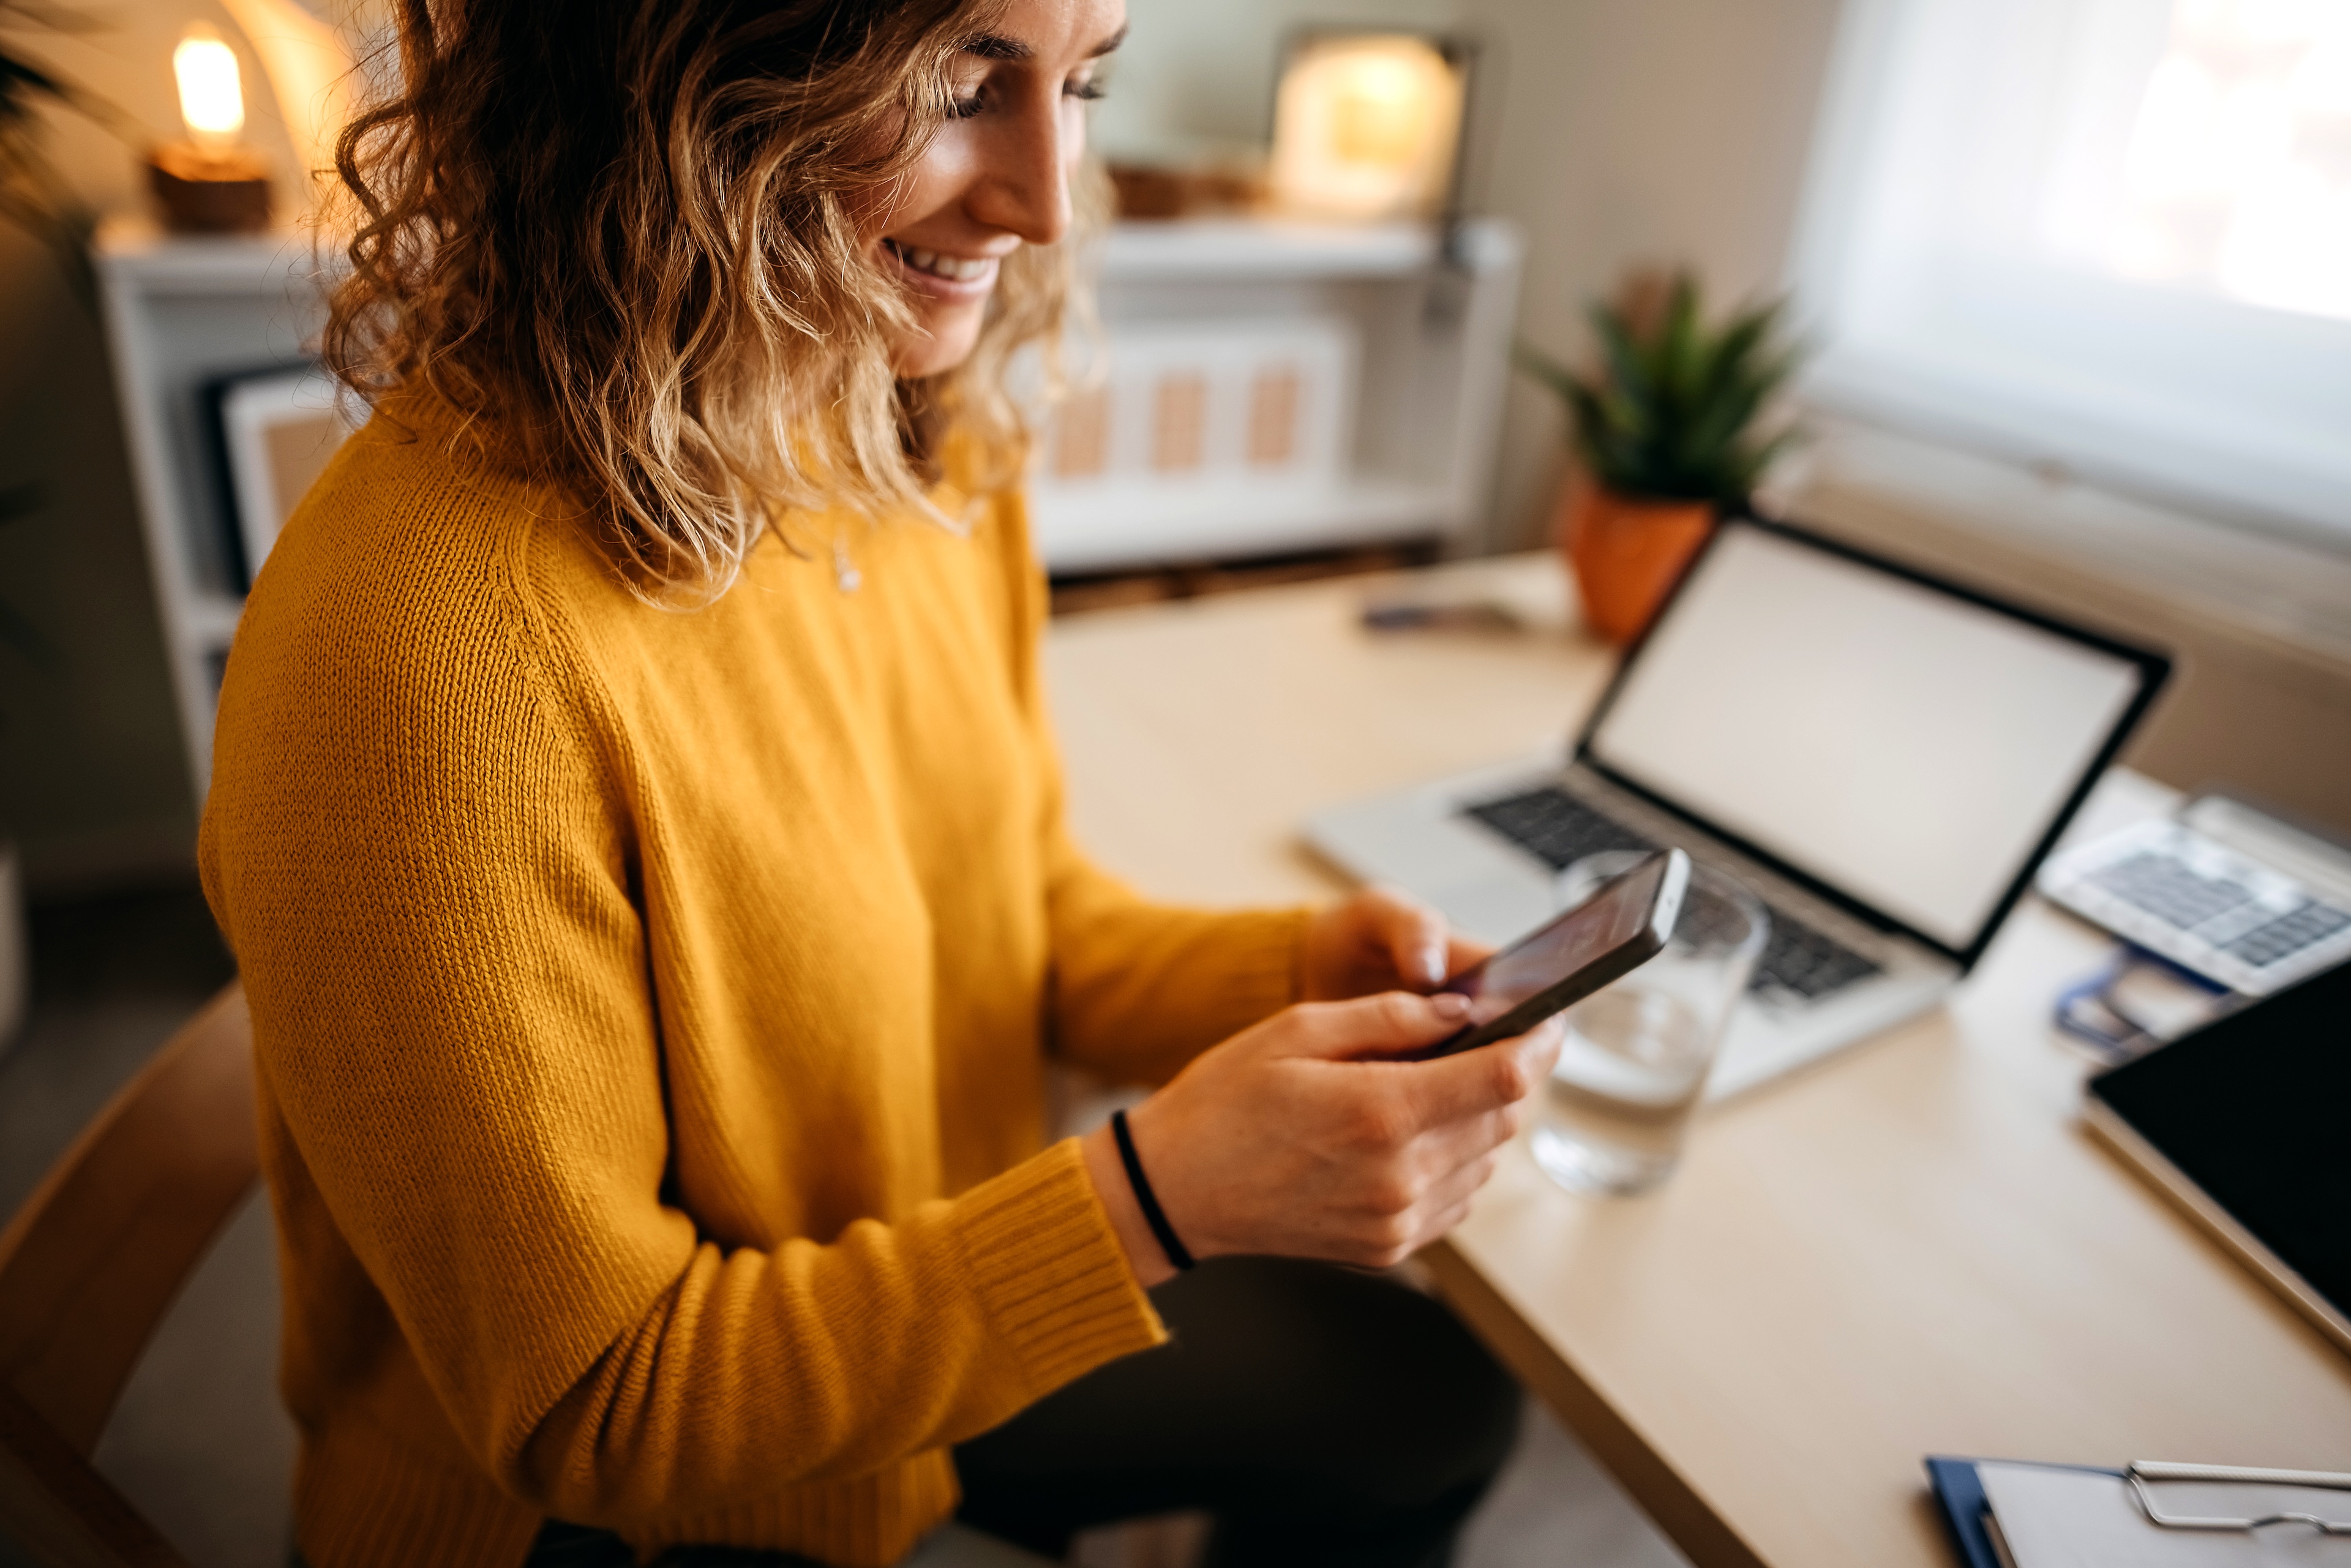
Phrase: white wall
x=1624 y=131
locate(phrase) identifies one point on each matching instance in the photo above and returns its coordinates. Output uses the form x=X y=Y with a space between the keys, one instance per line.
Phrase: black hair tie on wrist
x=1152 y=1215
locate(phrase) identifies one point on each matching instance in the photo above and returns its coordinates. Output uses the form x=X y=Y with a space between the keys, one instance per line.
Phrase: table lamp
x=211 y=182
x=1367 y=125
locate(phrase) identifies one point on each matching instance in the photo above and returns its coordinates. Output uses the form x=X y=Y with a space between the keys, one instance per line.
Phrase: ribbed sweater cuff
x=1049 y=1269
x=364 y=1500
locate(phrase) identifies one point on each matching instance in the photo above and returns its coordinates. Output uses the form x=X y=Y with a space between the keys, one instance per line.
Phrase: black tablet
x=2246 y=1124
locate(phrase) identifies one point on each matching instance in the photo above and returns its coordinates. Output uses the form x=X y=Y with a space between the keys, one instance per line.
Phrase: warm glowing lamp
x=211 y=96
x=211 y=182
x=1367 y=126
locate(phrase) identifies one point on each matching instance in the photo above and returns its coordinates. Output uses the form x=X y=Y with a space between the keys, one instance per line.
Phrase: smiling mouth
x=953 y=269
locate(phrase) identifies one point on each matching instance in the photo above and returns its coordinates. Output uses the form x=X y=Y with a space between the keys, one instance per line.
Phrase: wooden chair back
x=92 y=1261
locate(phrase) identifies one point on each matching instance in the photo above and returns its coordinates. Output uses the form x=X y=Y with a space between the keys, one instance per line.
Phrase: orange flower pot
x=1626 y=554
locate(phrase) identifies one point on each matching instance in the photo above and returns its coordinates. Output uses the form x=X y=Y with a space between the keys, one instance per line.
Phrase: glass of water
x=1636 y=1054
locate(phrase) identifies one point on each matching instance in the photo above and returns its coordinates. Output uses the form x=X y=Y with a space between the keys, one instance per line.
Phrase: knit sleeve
x=1139 y=987
x=425 y=869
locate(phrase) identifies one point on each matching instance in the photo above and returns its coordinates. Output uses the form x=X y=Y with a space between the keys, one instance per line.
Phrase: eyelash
x=1083 y=91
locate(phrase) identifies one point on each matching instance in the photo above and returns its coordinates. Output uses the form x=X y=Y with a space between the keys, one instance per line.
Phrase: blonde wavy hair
x=619 y=237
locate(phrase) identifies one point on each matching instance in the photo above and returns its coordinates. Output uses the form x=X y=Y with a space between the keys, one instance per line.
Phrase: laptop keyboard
x=1556 y=827
x=2220 y=910
x=1560 y=829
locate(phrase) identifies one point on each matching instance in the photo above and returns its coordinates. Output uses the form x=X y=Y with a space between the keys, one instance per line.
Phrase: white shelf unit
x=1432 y=333
x=181 y=313
x=1432 y=324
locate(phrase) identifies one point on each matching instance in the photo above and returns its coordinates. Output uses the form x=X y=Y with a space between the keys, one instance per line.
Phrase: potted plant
x=1665 y=439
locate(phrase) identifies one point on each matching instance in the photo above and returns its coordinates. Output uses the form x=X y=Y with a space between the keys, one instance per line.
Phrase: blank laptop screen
x=1904 y=747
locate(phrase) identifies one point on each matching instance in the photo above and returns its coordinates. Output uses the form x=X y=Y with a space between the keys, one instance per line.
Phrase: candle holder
x=211 y=182
x=204 y=190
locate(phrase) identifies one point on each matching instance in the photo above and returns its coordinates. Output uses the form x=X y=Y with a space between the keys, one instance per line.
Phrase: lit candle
x=211 y=99
x=211 y=182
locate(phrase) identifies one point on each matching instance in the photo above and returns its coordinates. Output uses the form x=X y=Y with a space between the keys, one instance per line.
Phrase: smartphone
x=1622 y=926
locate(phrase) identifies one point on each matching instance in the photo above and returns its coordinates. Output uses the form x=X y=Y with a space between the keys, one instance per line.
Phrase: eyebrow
x=996 y=47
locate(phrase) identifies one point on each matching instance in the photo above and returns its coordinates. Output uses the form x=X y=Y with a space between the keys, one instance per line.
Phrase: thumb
x=1383 y=1025
x=1415 y=937
x=1472 y=1083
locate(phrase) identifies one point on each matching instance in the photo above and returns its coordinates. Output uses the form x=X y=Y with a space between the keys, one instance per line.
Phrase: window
x=2111 y=234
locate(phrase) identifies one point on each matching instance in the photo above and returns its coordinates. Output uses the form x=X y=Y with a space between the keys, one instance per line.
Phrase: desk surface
x=1909 y=1249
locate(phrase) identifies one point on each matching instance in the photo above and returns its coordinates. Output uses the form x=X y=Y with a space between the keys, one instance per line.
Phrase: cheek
x=936 y=181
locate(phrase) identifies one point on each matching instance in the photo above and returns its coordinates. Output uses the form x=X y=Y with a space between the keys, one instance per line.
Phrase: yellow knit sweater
x=651 y=1009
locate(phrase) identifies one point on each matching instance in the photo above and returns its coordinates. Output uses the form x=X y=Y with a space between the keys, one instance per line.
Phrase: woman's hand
x=1379 y=940
x=1295 y=1138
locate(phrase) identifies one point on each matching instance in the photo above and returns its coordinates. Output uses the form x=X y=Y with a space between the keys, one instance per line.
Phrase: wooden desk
x=1909 y=1248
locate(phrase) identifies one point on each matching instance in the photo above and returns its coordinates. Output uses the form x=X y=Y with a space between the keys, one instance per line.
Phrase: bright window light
x=2110 y=234
x=211 y=100
x=2238 y=173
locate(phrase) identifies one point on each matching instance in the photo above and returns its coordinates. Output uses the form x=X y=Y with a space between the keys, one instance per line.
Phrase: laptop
x=1882 y=756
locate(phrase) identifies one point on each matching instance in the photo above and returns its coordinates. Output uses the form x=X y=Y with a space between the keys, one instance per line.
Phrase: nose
x=1024 y=184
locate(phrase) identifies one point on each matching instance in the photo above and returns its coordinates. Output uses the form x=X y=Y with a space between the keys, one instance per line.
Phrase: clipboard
x=2001 y=1514
x=1967 y=1511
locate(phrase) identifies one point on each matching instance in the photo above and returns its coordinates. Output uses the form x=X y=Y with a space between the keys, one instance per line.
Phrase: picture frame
x=1371 y=124
x=277 y=429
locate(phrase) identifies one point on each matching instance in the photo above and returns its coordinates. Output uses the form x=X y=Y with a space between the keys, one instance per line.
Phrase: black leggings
x=1322 y=1416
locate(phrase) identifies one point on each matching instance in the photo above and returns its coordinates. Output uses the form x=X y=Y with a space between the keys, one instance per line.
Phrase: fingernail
x=1432 y=963
x=1451 y=1005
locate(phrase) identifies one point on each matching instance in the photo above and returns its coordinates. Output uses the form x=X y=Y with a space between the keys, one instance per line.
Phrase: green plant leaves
x=1672 y=410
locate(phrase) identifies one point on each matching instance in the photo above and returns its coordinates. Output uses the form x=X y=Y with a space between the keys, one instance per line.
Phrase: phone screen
x=1613 y=933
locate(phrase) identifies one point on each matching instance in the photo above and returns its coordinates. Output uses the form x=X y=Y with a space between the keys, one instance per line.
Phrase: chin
x=946 y=345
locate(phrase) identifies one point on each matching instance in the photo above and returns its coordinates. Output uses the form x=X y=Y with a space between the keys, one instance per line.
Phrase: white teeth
x=960 y=270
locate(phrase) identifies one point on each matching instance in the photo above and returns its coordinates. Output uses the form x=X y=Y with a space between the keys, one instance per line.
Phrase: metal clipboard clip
x=2142 y=1471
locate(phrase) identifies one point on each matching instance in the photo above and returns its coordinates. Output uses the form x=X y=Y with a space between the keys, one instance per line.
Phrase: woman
x=636 y=823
